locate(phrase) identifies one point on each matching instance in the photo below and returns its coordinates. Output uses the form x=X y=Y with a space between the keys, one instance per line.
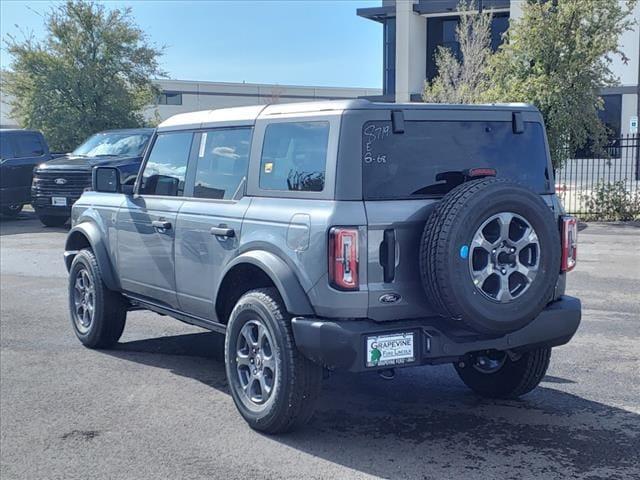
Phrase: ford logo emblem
x=60 y=181
x=389 y=298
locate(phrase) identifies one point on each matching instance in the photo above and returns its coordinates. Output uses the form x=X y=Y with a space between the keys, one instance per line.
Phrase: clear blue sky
x=309 y=42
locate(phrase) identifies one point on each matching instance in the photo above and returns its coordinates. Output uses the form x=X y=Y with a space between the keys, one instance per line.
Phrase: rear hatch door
x=404 y=175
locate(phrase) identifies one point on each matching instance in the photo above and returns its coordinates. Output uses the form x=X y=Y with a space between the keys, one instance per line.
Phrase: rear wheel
x=52 y=220
x=498 y=375
x=98 y=314
x=12 y=210
x=273 y=386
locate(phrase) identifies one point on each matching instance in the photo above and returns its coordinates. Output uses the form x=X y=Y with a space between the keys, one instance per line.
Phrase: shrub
x=611 y=202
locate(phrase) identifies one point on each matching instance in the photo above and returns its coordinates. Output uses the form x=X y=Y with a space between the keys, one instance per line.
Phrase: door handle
x=223 y=231
x=388 y=255
x=161 y=225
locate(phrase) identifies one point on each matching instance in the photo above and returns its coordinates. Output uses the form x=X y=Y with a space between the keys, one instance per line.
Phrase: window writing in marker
x=372 y=134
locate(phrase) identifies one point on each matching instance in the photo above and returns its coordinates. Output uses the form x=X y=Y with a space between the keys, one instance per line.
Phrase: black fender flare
x=282 y=276
x=93 y=236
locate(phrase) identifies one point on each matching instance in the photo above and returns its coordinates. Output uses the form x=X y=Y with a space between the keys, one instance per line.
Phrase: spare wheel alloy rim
x=504 y=257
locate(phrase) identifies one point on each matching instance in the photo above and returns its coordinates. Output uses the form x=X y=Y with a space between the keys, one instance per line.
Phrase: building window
x=170 y=98
x=499 y=25
x=389 y=61
x=611 y=114
x=441 y=32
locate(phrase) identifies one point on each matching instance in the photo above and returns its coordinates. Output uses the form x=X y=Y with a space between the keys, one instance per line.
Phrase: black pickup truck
x=20 y=152
x=58 y=183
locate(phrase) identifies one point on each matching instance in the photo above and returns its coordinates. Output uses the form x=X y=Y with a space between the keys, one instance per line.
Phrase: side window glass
x=29 y=145
x=223 y=159
x=294 y=156
x=166 y=166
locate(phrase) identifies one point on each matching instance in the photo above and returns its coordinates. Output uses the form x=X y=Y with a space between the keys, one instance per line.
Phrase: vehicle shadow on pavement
x=24 y=223
x=426 y=424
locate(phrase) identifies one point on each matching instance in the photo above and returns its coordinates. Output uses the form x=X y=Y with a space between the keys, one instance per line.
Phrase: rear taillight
x=343 y=258
x=569 y=243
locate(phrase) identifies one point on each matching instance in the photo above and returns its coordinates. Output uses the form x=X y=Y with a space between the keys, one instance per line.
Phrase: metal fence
x=615 y=172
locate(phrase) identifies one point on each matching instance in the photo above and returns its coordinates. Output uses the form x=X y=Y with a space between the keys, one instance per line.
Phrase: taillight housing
x=343 y=258
x=569 y=243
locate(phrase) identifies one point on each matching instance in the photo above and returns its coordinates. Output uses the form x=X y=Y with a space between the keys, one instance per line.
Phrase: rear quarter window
x=294 y=156
x=429 y=157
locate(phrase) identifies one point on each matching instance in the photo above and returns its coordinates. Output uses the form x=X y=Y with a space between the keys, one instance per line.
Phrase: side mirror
x=106 y=180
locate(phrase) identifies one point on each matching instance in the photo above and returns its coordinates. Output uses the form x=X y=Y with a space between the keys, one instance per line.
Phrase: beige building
x=180 y=96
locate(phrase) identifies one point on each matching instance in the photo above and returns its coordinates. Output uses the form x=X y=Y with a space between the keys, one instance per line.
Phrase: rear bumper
x=341 y=345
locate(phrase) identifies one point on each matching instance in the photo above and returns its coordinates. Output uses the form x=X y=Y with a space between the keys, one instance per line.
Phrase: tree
x=463 y=78
x=92 y=72
x=557 y=56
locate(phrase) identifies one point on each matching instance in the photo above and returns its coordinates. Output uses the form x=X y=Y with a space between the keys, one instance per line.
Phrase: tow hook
x=387 y=373
x=513 y=356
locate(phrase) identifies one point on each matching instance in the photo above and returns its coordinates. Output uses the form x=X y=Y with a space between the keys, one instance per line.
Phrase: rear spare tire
x=490 y=255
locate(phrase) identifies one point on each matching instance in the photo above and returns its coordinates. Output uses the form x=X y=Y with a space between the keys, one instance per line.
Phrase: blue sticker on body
x=464 y=251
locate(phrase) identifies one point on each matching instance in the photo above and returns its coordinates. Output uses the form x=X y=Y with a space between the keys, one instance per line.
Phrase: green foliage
x=557 y=56
x=611 y=202
x=463 y=80
x=92 y=72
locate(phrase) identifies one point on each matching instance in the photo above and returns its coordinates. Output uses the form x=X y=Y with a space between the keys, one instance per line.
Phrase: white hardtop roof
x=248 y=115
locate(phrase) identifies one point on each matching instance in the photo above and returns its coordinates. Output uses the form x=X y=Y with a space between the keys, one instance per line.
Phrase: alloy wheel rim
x=84 y=300
x=504 y=257
x=255 y=363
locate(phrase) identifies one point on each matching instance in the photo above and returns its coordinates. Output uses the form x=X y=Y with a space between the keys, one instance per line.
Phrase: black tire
x=109 y=308
x=446 y=272
x=12 y=210
x=512 y=380
x=52 y=220
x=296 y=382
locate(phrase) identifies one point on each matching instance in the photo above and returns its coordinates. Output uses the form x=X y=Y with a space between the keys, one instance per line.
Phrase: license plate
x=59 y=201
x=390 y=349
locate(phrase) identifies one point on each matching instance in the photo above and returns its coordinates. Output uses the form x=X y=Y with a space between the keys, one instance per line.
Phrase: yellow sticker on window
x=268 y=167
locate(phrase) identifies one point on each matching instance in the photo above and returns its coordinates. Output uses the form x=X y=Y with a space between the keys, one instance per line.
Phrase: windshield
x=114 y=144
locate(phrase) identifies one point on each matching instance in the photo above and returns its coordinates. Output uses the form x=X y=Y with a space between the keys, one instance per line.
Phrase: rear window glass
x=294 y=156
x=429 y=157
x=29 y=145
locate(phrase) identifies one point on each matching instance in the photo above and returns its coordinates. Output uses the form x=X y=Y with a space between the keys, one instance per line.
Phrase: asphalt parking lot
x=158 y=405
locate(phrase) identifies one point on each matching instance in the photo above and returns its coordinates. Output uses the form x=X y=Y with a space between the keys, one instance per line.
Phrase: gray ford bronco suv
x=345 y=235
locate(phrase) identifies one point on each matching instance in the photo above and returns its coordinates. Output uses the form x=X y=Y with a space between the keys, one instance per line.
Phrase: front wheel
x=12 y=210
x=98 y=314
x=52 y=220
x=498 y=375
x=273 y=386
